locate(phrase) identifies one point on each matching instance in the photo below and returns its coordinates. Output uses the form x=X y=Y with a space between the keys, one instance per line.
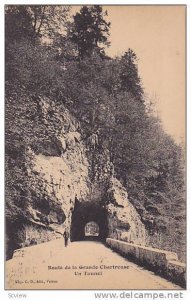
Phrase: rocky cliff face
x=72 y=182
x=124 y=222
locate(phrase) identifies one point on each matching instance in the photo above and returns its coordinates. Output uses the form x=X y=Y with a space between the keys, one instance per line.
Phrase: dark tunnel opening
x=85 y=213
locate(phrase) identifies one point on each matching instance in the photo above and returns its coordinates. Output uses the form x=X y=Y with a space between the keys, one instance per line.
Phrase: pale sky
x=157 y=35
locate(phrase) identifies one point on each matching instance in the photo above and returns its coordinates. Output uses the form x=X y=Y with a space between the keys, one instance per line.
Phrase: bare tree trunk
x=35 y=19
x=42 y=18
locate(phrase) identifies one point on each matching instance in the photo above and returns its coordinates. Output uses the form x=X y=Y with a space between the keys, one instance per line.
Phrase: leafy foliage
x=130 y=80
x=17 y=23
x=48 y=20
x=90 y=31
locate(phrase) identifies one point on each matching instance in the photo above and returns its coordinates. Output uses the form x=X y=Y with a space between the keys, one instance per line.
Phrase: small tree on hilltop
x=130 y=80
x=90 y=31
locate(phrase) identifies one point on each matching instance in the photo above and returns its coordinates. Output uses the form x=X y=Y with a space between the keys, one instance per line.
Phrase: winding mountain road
x=81 y=265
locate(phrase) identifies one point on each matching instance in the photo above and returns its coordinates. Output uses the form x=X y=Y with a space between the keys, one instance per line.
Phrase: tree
x=35 y=21
x=18 y=23
x=130 y=80
x=48 y=20
x=90 y=31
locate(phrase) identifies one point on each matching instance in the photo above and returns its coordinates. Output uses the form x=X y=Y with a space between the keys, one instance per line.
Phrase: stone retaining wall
x=164 y=263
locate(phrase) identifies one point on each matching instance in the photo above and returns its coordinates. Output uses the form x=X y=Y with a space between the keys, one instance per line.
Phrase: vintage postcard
x=95 y=194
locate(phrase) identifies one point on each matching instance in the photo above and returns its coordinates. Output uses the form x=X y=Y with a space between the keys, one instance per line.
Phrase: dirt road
x=81 y=265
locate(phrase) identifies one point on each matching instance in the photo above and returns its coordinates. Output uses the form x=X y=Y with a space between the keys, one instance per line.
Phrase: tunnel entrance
x=87 y=218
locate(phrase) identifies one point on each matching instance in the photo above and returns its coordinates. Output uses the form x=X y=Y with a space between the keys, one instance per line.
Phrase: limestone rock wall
x=123 y=220
x=57 y=182
x=66 y=168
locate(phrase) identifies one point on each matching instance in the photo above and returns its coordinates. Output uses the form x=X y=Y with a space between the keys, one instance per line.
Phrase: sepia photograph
x=95 y=135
